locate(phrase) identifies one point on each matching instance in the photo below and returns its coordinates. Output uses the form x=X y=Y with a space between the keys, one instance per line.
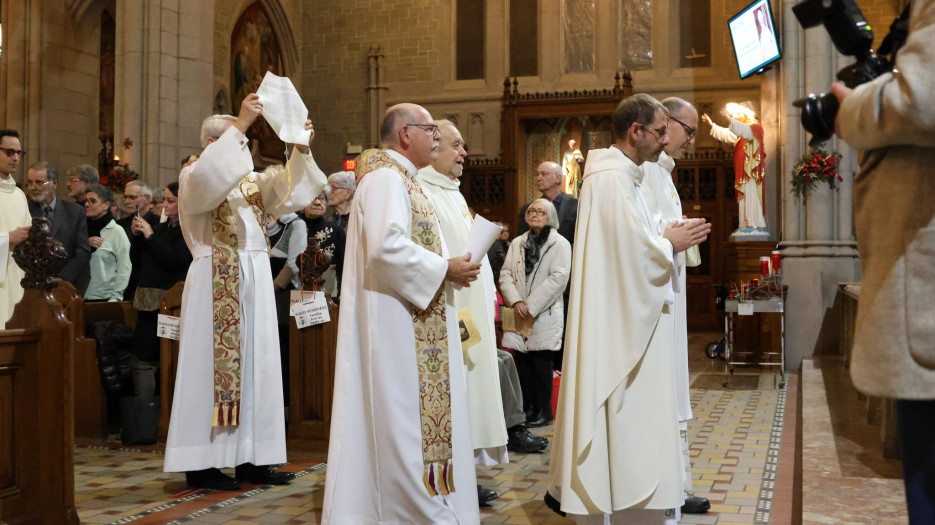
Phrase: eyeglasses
x=690 y=131
x=36 y=182
x=431 y=129
x=535 y=211
x=16 y=152
x=660 y=133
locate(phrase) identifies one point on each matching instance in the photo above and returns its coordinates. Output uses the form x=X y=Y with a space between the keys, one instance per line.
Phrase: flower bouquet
x=815 y=166
x=118 y=177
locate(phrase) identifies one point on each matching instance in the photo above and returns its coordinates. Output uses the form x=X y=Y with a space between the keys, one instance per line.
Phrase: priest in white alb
x=227 y=410
x=400 y=447
x=662 y=197
x=616 y=453
x=485 y=407
x=14 y=223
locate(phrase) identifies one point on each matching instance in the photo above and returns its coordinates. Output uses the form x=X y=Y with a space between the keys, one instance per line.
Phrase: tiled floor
x=734 y=442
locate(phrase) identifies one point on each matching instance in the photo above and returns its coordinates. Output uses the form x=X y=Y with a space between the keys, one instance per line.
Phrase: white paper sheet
x=480 y=239
x=283 y=109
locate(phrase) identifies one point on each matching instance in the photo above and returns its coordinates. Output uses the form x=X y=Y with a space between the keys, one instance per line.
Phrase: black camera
x=852 y=36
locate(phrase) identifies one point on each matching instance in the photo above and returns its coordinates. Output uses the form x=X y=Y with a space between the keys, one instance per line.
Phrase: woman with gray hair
x=533 y=277
x=343 y=185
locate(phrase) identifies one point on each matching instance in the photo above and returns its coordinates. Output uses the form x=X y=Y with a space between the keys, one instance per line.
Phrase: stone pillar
x=164 y=87
x=818 y=245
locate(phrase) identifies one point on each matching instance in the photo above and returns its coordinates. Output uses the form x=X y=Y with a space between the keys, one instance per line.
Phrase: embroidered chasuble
x=431 y=336
x=225 y=285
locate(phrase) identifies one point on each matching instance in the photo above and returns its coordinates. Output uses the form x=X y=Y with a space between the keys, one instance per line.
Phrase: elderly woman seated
x=532 y=280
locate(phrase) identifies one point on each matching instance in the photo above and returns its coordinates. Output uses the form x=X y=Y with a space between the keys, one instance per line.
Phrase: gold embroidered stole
x=225 y=288
x=431 y=337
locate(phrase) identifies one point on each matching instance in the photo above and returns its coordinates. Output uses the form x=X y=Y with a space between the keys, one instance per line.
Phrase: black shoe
x=523 y=441
x=553 y=504
x=262 y=475
x=543 y=418
x=485 y=495
x=695 y=505
x=211 y=478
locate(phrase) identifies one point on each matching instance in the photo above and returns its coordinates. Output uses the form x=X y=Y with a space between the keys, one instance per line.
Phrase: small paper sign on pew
x=308 y=308
x=168 y=327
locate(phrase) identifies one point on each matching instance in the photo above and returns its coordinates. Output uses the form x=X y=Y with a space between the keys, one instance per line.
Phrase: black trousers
x=535 y=379
x=916 y=423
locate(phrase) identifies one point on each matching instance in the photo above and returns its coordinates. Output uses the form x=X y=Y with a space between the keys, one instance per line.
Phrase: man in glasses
x=662 y=197
x=78 y=179
x=67 y=220
x=14 y=222
x=400 y=448
x=616 y=446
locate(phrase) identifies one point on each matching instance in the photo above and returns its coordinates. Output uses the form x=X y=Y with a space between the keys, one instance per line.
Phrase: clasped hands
x=686 y=233
x=251 y=108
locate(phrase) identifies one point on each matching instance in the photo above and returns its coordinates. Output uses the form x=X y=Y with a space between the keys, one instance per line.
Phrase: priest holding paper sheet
x=400 y=448
x=228 y=404
x=532 y=280
x=440 y=180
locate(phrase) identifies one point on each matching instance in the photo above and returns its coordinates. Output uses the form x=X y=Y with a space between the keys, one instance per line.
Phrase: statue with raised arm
x=746 y=133
x=571 y=165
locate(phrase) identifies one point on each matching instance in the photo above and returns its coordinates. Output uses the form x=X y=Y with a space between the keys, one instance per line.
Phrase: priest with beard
x=616 y=453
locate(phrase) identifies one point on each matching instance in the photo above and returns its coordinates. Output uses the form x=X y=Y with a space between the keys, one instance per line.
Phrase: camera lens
x=818 y=114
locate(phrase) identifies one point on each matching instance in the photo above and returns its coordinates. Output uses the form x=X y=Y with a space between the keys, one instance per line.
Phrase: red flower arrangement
x=815 y=166
x=118 y=178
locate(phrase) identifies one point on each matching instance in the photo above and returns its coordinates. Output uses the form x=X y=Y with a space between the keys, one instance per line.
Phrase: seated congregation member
x=532 y=280
x=331 y=238
x=164 y=260
x=343 y=185
x=67 y=219
x=110 y=259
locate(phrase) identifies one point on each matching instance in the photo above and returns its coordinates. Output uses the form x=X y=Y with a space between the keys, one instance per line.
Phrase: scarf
x=431 y=337
x=96 y=225
x=225 y=287
x=533 y=248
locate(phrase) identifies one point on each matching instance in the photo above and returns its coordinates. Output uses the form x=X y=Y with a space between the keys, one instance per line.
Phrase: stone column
x=818 y=245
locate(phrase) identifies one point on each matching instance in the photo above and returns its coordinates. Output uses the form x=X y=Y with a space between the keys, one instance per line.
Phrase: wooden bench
x=168 y=360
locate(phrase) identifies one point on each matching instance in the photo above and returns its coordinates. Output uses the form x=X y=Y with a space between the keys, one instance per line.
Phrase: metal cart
x=769 y=304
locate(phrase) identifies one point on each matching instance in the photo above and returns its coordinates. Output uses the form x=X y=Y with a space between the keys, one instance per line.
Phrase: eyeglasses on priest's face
x=431 y=129
x=690 y=131
x=660 y=133
x=13 y=152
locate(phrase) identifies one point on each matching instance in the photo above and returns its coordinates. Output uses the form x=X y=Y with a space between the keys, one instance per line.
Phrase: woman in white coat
x=533 y=277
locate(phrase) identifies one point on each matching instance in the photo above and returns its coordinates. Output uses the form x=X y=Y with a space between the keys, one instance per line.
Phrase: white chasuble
x=260 y=438
x=14 y=213
x=375 y=460
x=616 y=440
x=662 y=197
x=485 y=406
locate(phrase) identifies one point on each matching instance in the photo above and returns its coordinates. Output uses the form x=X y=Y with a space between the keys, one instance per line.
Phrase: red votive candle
x=776 y=259
x=764 y=266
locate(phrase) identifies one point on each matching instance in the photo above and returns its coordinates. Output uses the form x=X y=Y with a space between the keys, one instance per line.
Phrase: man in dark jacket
x=68 y=224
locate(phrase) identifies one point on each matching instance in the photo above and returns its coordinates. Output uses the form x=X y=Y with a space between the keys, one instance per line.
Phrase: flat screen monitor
x=754 y=36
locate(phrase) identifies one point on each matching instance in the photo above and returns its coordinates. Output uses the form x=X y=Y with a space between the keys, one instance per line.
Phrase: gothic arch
x=279 y=23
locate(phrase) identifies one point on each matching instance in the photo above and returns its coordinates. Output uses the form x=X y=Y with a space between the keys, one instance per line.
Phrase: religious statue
x=571 y=165
x=746 y=133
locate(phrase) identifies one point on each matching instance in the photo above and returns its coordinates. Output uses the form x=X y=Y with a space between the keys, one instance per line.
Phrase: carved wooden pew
x=168 y=360
x=37 y=482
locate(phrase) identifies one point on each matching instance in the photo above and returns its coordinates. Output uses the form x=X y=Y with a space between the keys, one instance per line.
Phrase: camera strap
x=894 y=40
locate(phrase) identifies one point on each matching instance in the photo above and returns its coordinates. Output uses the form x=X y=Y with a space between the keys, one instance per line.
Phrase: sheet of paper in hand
x=283 y=109
x=470 y=334
x=513 y=323
x=309 y=308
x=481 y=237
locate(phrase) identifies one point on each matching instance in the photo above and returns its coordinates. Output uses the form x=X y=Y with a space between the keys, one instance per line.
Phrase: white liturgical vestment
x=485 y=406
x=616 y=444
x=14 y=213
x=375 y=461
x=260 y=438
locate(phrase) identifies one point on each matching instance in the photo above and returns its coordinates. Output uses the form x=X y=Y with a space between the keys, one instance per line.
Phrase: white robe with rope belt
x=192 y=443
x=616 y=441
